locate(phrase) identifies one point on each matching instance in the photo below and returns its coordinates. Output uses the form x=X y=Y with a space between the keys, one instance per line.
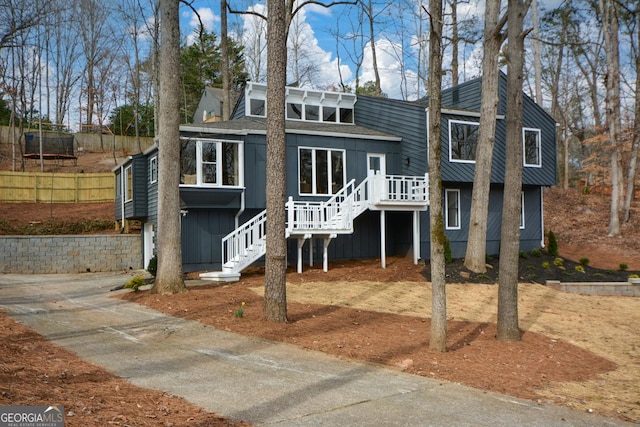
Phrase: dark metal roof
x=250 y=125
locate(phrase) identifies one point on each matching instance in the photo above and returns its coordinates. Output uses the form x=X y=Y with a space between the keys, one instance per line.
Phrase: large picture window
x=321 y=171
x=531 y=149
x=212 y=163
x=452 y=209
x=463 y=141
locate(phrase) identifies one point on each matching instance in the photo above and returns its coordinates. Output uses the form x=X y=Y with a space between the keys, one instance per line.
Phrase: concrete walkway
x=262 y=382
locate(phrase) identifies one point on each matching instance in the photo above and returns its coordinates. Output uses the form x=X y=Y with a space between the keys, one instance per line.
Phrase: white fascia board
x=291 y=131
x=202 y=129
x=467 y=113
x=121 y=164
x=345 y=135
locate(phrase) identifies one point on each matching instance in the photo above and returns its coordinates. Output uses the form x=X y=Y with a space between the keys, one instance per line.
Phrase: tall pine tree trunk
x=475 y=258
x=508 y=329
x=610 y=28
x=275 y=290
x=438 y=337
x=169 y=278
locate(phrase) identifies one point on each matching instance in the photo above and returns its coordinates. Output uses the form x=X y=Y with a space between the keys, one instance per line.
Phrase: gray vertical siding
x=404 y=119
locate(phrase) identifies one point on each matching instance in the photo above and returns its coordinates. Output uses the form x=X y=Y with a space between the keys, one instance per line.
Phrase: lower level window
x=321 y=171
x=452 y=209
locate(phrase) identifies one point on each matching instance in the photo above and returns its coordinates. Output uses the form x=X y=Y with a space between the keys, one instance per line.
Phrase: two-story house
x=356 y=179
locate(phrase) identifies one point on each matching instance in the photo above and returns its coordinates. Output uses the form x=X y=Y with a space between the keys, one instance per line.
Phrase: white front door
x=376 y=164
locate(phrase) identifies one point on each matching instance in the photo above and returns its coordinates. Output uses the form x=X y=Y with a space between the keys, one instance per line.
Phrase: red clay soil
x=474 y=356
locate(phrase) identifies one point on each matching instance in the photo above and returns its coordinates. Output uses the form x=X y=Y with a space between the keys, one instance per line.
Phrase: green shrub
x=448 y=258
x=135 y=283
x=152 y=268
x=553 y=244
x=580 y=268
x=558 y=262
x=623 y=267
x=634 y=276
x=536 y=253
x=523 y=255
x=546 y=265
x=584 y=261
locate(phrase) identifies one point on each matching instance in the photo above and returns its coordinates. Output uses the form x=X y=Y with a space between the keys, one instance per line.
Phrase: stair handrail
x=236 y=244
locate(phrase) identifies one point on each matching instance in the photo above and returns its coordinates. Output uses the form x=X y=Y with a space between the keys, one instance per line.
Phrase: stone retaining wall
x=597 y=288
x=70 y=253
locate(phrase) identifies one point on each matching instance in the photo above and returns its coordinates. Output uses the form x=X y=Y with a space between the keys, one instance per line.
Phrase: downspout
x=122 y=178
x=542 y=216
x=241 y=211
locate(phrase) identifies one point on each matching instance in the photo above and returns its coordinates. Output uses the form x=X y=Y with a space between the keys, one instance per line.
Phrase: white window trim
x=524 y=150
x=329 y=170
x=153 y=160
x=446 y=208
x=127 y=171
x=451 y=159
x=322 y=99
x=219 y=174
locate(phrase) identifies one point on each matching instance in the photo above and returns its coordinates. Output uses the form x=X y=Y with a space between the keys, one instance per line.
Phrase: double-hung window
x=153 y=170
x=211 y=163
x=128 y=183
x=463 y=141
x=452 y=209
x=321 y=171
x=532 y=156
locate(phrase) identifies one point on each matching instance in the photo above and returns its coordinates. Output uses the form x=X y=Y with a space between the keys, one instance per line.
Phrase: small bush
x=634 y=276
x=135 y=283
x=553 y=244
x=546 y=265
x=584 y=261
x=623 y=267
x=239 y=312
x=536 y=253
x=152 y=268
x=558 y=262
x=523 y=255
x=580 y=268
x=448 y=258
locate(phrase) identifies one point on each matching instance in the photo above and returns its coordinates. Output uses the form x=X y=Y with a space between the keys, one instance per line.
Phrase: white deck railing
x=246 y=244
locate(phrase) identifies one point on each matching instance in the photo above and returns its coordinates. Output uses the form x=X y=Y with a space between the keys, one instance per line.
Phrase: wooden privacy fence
x=18 y=187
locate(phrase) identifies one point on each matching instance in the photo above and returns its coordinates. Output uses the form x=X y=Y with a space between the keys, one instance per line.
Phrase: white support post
x=383 y=240
x=325 y=254
x=300 y=245
x=416 y=237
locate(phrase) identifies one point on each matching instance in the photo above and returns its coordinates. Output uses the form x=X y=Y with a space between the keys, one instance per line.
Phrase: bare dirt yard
x=576 y=350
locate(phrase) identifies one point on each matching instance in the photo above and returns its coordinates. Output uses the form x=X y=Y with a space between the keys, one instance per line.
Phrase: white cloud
x=206 y=15
x=308 y=62
x=395 y=81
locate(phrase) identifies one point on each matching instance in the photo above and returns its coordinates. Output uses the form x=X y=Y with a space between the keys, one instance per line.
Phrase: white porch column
x=325 y=253
x=300 y=245
x=416 y=237
x=383 y=240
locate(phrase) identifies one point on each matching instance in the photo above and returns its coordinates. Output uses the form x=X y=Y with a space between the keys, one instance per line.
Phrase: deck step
x=220 y=276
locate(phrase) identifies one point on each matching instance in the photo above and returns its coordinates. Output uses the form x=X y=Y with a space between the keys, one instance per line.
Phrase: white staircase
x=324 y=219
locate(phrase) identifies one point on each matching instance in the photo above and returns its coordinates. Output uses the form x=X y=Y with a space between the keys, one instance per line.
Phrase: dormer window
x=303 y=104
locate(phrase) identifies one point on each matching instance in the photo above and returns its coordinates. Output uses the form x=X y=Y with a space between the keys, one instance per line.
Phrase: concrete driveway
x=259 y=381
